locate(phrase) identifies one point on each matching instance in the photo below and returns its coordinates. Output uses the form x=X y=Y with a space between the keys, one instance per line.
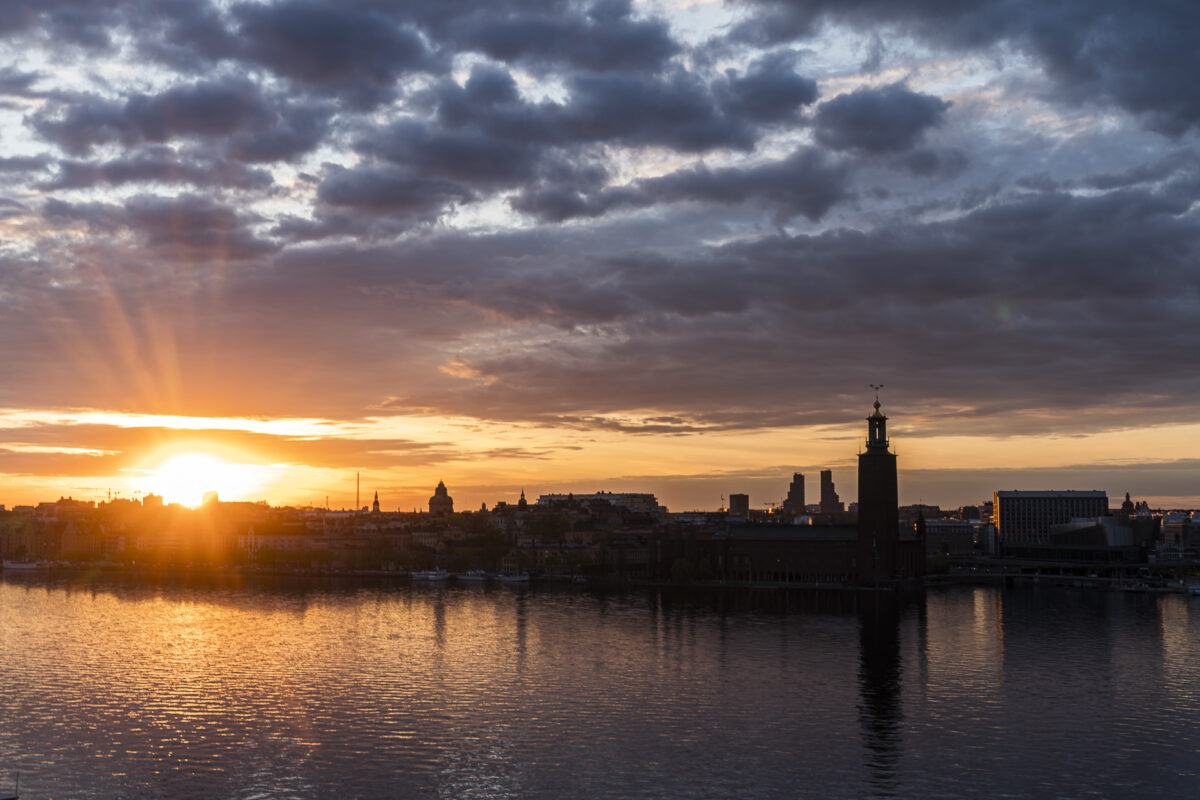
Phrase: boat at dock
x=18 y=565
x=472 y=576
x=430 y=575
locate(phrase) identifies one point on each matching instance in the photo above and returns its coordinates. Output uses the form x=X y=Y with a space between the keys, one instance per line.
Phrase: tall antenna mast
x=357 y=486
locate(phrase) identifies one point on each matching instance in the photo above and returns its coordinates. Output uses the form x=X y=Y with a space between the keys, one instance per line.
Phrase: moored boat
x=431 y=575
x=471 y=576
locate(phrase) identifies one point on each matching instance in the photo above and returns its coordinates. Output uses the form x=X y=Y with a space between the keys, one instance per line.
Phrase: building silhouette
x=739 y=505
x=794 y=504
x=441 y=503
x=1024 y=518
x=872 y=552
x=830 y=504
x=878 y=506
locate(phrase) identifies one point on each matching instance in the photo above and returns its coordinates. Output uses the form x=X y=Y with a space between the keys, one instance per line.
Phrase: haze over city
x=260 y=248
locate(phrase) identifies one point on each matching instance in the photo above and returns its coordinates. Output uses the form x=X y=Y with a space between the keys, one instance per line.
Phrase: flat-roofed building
x=1023 y=517
x=739 y=506
x=639 y=502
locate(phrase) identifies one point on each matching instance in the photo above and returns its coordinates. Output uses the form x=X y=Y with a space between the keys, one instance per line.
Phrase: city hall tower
x=878 y=504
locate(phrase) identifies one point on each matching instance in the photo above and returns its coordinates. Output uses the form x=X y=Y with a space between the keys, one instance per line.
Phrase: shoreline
x=563 y=581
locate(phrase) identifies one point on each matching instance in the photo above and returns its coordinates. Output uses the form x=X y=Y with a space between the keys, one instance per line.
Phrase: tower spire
x=877 y=441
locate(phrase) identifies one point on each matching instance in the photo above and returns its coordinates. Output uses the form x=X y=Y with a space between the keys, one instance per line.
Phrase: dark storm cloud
x=806 y=183
x=291 y=132
x=676 y=110
x=96 y=216
x=18 y=164
x=188 y=35
x=1140 y=56
x=185 y=228
x=82 y=123
x=928 y=162
x=1002 y=291
x=489 y=138
x=884 y=120
x=1175 y=164
x=770 y=91
x=464 y=155
x=233 y=111
x=353 y=50
x=605 y=38
x=68 y=22
x=1029 y=302
x=206 y=109
x=17 y=83
x=156 y=164
x=391 y=190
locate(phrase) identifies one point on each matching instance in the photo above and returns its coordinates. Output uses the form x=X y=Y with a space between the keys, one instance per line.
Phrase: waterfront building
x=952 y=537
x=874 y=551
x=878 y=504
x=441 y=503
x=1026 y=517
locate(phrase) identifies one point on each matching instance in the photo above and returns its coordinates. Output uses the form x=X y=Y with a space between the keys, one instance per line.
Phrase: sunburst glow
x=186 y=477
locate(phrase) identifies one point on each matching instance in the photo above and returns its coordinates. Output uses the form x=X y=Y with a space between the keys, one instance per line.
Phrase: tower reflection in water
x=879 y=672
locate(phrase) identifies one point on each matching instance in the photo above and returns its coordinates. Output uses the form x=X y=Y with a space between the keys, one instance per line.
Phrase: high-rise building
x=878 y=504
x=794 y=503
x=830 y=504
x=739 y=505
x=1026 y=517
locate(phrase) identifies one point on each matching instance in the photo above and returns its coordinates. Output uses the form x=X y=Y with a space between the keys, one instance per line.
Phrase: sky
x=661 y=246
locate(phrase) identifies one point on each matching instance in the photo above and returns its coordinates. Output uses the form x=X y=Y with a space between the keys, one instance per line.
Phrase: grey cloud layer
x=687 y=247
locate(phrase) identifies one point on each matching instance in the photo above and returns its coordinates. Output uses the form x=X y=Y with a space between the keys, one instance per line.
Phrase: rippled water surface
x=124 y=687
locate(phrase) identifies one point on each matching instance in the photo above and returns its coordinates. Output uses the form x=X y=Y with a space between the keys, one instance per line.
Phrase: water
x=120 y=687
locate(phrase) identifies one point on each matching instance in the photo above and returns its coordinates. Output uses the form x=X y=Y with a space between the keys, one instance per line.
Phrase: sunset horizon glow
x=279 y=249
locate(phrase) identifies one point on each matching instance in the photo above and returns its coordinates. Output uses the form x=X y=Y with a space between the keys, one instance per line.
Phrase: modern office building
x=1026 y=517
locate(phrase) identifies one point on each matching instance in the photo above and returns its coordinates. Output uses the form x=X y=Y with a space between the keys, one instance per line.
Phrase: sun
x=187 y=477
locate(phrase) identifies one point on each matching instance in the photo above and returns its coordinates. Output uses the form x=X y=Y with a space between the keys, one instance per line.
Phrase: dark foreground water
x=116 y=687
